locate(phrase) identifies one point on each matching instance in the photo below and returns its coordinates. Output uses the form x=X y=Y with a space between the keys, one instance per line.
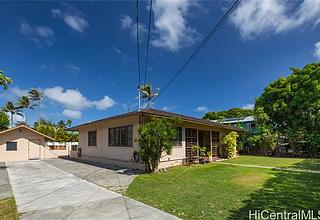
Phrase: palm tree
x=148 y=93
x=36 y=96
x=25 y=103
x=13 y=110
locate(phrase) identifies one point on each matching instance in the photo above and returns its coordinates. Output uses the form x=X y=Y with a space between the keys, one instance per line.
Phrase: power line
x=138 y=43
x=148 y=40
x=203 y=43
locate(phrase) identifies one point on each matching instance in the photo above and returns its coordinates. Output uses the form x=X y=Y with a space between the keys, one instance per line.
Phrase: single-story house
x=114 y=140
x=23 y=143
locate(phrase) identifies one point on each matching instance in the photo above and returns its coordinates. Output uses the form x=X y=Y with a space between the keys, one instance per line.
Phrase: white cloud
x=168 y=108
x=120 y=52
x=248 y=106
x=126 y=23
x=317 y=50
x=170 y=20
x=257 y=17
x=201 y=109
x=74 y=70
x=12 y=93
x=72 y=113
x=19 y=92
x=70 y=98
x=38 y=34
x=74 y=102
x=104 y=103
x=73 y=18
x=16 y=118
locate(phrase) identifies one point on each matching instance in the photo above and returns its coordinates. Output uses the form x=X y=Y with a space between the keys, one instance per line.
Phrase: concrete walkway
x=46 y=192
x=5 y=189
x=111 y=177
x=270 y=167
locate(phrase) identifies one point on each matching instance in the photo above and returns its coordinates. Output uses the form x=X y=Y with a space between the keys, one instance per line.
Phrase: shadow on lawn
x=308 y=164
x=286 y=191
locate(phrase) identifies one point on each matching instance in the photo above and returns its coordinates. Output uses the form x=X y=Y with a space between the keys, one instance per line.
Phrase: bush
x=155 y=138
x=229 y=145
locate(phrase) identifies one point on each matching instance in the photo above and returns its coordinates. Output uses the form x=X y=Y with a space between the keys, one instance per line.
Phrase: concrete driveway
x=111 y=177
x=43 y=191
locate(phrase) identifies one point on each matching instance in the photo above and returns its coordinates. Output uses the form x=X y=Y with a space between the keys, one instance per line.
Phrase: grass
x=8 y=209
x=297 y=163
x=265 y=161
x=218 y=191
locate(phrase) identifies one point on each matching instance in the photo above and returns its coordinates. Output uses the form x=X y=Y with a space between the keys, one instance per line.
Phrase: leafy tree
x=229 y=145
x=148 y=94
x=264 y=138
x=231 y=113
x=36 y=96
x=4 y=80
x=155 y=138
x=25 y=103
x=4 y=121
x=12 y=110
x=57 y=131
x=293 y=106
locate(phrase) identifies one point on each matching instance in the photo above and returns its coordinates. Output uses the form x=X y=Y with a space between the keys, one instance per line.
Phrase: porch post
x=197 y=141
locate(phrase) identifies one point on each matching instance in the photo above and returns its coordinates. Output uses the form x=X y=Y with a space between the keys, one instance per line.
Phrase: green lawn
x=218 y=191
x=8 y=209
x=308 y=164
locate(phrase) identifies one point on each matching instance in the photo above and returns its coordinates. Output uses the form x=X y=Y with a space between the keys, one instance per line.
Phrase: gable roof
x=26 y=127
x=160 y=113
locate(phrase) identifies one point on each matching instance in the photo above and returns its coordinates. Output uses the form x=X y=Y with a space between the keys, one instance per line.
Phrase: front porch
x=202 y=145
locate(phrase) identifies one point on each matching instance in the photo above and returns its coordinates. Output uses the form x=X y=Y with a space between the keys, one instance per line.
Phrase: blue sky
x=83 y=54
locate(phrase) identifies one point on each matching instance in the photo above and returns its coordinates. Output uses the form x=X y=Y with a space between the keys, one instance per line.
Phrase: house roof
x=160 y=113
x=235 y=120
x=26 y=127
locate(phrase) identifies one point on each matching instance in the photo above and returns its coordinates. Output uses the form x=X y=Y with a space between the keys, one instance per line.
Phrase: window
x=215 y=137
x=59 y=147
x=74 y=147
x=92 y=138
x=121 y=136
x=11 y=146
x=177 y=141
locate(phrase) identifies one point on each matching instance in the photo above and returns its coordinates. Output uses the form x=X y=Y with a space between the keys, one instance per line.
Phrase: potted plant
x=202 y=153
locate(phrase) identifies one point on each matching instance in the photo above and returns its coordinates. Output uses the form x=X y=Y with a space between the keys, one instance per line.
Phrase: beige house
x=24 y=143
x=114 y=140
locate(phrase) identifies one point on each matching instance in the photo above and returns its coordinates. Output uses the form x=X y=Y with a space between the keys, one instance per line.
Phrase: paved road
x=43 y=191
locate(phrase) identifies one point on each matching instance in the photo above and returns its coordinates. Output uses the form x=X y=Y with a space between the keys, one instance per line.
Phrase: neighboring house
x=114 y=140
x=24 y=143
x=246 y=123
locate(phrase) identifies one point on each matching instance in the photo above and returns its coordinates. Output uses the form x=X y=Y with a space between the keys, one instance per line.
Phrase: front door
x=34 y=149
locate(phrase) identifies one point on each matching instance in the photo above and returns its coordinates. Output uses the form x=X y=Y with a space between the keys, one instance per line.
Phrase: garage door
x=34 y=149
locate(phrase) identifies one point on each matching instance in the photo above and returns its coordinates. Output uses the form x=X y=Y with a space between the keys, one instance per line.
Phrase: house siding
x=26 y=139
x=123 y=156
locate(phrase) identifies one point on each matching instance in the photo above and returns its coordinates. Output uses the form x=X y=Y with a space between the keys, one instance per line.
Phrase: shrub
x=229 y=145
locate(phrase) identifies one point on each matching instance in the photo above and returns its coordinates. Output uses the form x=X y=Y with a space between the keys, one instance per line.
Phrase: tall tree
x=12 y=110
x=4 y=121
x=293 y=106
x=4 y=80
x=25 y=103
x=231 y=113
x=148 y=94
x=36 y=96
